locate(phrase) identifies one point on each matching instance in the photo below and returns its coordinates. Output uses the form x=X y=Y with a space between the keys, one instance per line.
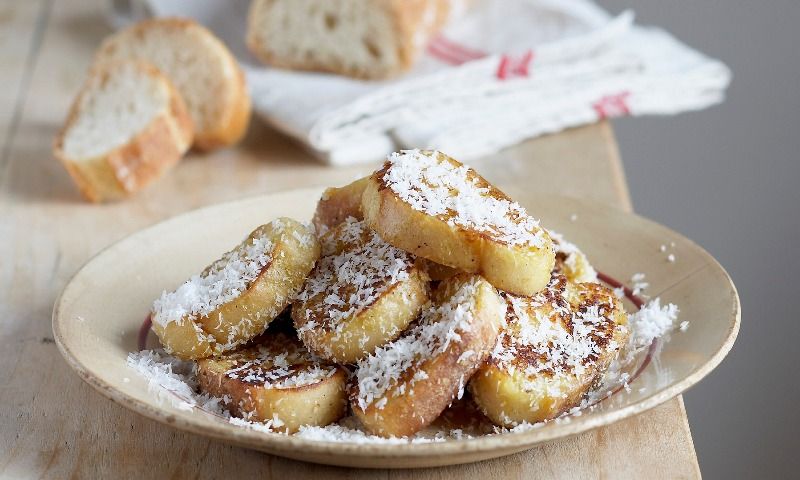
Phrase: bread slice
x=556 y=346
x=339 y=203
x=362 y=294
x=431 y=205
x=370 y=39
x=235 y=298
x=406 y=384
x=571 y=261
x=435 y=271
x=200 y=66
x=127 y=126
x=277 y=382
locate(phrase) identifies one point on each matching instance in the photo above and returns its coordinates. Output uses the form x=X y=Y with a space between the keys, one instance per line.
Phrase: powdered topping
x=171 y=380
x=432 y=183
x=278 y=363
x=650 y=322
x=357 y=268
x=220 y=283
x=439 y=325
x=561 y=332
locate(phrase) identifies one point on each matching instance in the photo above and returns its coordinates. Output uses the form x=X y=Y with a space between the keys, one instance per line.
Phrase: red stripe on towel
x=611 y=106
x=512 y=67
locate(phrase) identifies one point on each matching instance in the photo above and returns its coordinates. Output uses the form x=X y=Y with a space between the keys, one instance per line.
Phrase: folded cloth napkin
x=503 y=71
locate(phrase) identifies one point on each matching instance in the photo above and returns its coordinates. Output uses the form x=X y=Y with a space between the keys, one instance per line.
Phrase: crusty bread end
x=141 y=118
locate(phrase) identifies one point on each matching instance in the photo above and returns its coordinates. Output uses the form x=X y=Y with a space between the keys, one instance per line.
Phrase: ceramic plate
x=97 y=318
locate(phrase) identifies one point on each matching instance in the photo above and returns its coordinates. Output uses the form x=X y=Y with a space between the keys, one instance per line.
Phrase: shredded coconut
x=222 y=282
x=344 y=284
x=571 y=261
x=558 y=334
x=438 y=326
x=171 y=380
x=650 y=322
x=431 y=183
x=639 y=285
x=279 y=362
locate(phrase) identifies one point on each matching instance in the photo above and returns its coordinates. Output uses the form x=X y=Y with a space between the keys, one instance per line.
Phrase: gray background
x=728 y=177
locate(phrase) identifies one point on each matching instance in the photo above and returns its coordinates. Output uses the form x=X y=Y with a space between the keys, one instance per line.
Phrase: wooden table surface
x=53 y=425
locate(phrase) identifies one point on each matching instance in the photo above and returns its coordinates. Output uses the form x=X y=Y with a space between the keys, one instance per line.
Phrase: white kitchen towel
x=504 y=71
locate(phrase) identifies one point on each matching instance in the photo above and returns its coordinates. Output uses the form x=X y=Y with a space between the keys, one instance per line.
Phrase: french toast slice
x=555 y=347
x=431 y=205
x=338 y=204
x=362 y=293
x=436 y=271
x=278 y=381
x=571 y=261
x=236 y=297
x=406 y=384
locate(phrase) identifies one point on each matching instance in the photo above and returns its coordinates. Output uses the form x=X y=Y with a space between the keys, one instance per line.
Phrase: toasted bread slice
x=406 y=384
x=436 y=271
x=360 y=38
x=277 y=381
x=339 y=203
x=236 y=297
x=433 y=206
x=127 y=127
x=571 y=261
x=555 y=347
x=201 y=67
x=362 y=293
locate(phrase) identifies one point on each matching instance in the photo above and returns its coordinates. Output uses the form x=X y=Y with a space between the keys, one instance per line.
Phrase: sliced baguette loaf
x=368 y=39
x=126 y=127
x=200 y=66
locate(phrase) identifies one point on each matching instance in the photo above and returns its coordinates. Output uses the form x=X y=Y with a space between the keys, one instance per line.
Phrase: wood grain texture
x=53 y=425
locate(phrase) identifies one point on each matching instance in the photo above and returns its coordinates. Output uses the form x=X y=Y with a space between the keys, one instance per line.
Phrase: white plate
x=97 y=318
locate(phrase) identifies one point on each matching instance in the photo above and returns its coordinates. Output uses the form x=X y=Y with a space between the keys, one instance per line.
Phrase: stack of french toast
x=412 y=286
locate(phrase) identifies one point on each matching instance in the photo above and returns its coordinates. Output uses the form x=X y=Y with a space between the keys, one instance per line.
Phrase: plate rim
x=285 y=444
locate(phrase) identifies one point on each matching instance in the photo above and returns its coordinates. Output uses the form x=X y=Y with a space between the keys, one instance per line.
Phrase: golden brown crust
x=389 y=288
x=337 y=204
x=522 y=382
x=524 y=270
x=375 y=325
x=446 y=374
x=407 y=15
x=234 y=120
x=129 y=167
x=294 y=252
x=259 y=390
x=436 y=271
x=234 y=128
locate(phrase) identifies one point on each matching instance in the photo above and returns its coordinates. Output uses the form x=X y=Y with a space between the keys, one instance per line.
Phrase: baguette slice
x=556 y=346
x=278 y=382
x=571 y=261
x=235 y=298
x=431 y=205
x=362 y=294
x=127 y=126
x=338 y=204
x=370 y=39
x=406 y=384
x=201 y=67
